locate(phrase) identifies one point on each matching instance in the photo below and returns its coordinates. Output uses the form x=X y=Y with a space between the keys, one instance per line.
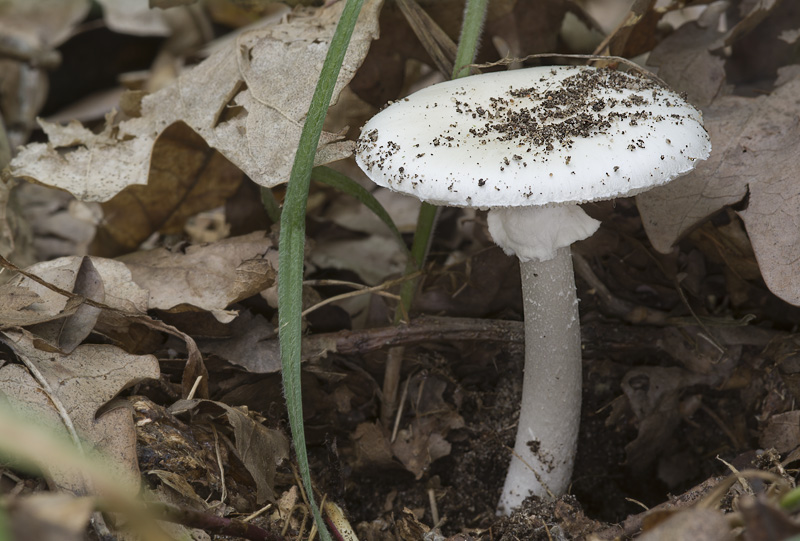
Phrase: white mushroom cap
x=533 y=137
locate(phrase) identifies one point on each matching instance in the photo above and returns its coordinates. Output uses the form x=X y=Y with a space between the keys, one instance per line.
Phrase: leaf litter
x=166 y=357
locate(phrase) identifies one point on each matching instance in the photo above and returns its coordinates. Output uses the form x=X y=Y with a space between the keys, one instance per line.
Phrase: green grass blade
x=345 y=184
x=270 y=204
x=474 y=15
x=292 y=244
x=426 y=221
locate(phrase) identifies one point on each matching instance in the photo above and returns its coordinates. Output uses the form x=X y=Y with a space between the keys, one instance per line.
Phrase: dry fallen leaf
x=132 y=17
x=635 y=34
x=40 y=23
x=163 y=493
x=58 y=225
x=73 y=329
x=209 y=277
x=687 y=52
x=422 y=441
x=248 y=101
x=654 y=394
x=186 y=177
x=754 y=161
x=698 y=524
x=67 y=390
x=782 y=432
x=252 y=345
x=24 y=302
x=371 y=447
x=764 y=520
x=259 y=448
x=31 y=30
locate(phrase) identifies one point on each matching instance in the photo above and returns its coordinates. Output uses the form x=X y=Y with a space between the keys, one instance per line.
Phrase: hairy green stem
x=474 y=15
x=292 y=245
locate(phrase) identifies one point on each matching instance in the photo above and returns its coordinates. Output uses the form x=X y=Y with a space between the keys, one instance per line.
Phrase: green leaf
x=292 y=245
x=345 y=184
x=270 y=204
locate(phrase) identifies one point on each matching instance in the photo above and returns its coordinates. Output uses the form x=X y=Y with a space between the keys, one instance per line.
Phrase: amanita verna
x=530 y=145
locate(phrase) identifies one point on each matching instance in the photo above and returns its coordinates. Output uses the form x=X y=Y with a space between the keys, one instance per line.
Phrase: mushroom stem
x=547 y=432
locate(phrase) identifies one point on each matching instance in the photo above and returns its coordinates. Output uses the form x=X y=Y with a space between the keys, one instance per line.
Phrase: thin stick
x=380 y=289
x=258 y=513
x=329 y=300
x=224 y=494
x=400 y=408
x=434 y=507
x=197 y=381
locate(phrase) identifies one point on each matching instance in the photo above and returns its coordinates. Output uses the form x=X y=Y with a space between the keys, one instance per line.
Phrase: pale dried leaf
x=186 y=177
x=82 y=382
x=371 y=446
x=697 y=524
x=181 y=486
x=755 y=156
x=134 y=17
x=120 y=290
x=782 y=432
x=89 y=285
x=686 y=53
x=635 y=33
x=423 y=440
x=373 y=258
x=252 y=345
x=790 y=36
x=346 y=211
x=207 y=277
x=15 y=230
x=59 y=224
x=756 y=12
x=260 y=450
x=248 y=101
x=40 y=23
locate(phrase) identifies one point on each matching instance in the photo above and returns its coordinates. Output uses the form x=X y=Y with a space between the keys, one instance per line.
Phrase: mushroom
x=530 y=145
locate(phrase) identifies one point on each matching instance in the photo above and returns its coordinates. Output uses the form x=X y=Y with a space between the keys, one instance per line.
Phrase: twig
x=400 y=408
x=434 y=507
x=258 y=513
x=211 y=523
x=193 y=390
x=435 y=41
x=224 y=494
x=422 y=329
x=391 y=381
x=380 y=289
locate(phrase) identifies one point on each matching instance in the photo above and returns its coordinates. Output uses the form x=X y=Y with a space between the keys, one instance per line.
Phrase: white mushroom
x=531 y=145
